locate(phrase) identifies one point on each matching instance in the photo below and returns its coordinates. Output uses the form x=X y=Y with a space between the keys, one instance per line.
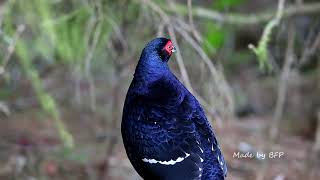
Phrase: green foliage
x=214 y=37
x=70 y=30
x=57 y=32
x=47 y=102
x=48 y=37
x=262 y=50
x=222 y=4
x=5 y=93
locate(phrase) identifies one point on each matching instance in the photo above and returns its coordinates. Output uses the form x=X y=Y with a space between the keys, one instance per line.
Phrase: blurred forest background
x=65 y=67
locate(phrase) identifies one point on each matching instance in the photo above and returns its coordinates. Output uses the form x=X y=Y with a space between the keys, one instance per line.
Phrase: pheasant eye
x=169 y=47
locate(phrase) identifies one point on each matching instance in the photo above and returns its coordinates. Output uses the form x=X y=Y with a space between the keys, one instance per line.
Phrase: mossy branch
x=261 y=50
x=240 y=19
x=46 y=101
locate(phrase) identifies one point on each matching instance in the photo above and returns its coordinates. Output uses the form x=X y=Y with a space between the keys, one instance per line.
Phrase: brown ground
x=29 y=147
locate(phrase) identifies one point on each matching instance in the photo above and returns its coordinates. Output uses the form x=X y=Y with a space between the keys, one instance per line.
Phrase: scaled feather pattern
x=164 y=128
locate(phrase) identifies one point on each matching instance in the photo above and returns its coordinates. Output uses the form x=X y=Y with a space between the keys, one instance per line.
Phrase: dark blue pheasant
x=164 y=128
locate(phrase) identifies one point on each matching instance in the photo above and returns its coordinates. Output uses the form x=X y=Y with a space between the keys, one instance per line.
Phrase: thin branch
x=244 y=19
x=309 y=51
x=281 y=97
x=185 y=76
x=283 y=83
x=218 y=78
x=316 y=146
x=313 y=159
x=261 y=50
x=11 y=48
x=180 y=61
x=118 y=33
x=94 y=33
x=166 y=20
x=195 y=33
x=160 y=31
x=181 y=65
x=4 y=108
x=190 y=12
x=282 y=91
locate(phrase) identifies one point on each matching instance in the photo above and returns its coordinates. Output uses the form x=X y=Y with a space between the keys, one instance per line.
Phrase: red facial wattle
x=169 y=48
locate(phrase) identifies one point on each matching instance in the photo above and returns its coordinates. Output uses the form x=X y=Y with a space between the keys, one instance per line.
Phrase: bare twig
x=261 y=50
x=182 y=67
x=282 y=91
x=221 y=85
x=118 y=33
x=309 y=51
x=166 y=20
x=11 y=48
x=283 y=83
x=1 y=15
x=196 y=34
x=116 y=98
x=95 y=33
x=183 y=70
x=4 y=108
x=316 y=147
x=313 y=159
x=252 y=19
x=77 y=78
x=160 y=31
x=216 y=76
x=190 y=12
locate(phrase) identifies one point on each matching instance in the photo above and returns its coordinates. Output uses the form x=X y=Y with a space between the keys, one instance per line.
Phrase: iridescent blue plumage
x=164 y=128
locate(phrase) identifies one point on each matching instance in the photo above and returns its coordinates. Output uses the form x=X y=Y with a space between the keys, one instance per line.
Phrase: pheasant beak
x=169 y=48
x=174 y=49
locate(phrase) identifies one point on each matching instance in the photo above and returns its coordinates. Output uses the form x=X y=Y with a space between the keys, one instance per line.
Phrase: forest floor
x=30 y=148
